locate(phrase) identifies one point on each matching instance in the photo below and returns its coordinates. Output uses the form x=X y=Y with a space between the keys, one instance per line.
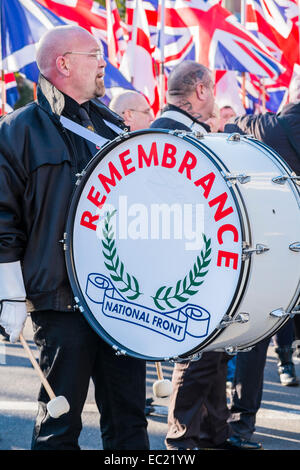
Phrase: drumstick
x=57 y=406
x=162 y=387
x=159 y=371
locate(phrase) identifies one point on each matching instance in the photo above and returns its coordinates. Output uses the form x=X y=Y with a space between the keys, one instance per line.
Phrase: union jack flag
x=275 y=23
x=115 y=34
x=12 y=94
x=137 y=63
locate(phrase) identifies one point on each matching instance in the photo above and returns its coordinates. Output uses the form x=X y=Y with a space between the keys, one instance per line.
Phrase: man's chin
x=100 y=92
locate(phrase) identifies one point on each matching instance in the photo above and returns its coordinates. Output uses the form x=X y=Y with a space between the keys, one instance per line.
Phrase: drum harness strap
x=177 y=116
x=86 y=133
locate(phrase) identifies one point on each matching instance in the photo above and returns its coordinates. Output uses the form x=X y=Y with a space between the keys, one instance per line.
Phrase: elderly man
x=39 y=159
x=134 y=109
x=198 y=411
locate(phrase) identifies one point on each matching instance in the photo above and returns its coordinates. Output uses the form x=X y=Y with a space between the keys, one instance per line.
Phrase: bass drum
x=178 y=243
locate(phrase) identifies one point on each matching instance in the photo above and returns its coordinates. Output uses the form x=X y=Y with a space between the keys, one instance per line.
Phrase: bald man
x=40 y=154
x=134 y=109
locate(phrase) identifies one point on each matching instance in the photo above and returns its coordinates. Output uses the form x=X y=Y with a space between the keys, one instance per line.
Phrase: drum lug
x=198 y=135
x=281 y=179
x=242 y=178
x=195 y=357
x=278 y=313
x=247 y=251
x=122 y=136
x=119 y=352
x=79 y=176
x=64 y=241
x=231 y=350
x=295 y=246
x=235 y=137
x=296 y=311
x=241 y=317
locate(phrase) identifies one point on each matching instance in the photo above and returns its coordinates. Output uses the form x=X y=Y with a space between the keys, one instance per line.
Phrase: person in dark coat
x=198 y=412
x=281 y=132
x=39 y=161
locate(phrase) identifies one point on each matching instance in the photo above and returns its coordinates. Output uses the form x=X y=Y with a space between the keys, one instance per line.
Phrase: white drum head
x=157 y=264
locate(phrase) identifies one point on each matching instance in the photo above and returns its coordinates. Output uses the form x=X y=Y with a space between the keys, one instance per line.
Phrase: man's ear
x=63 y=65
x=200 y=91
x=127 y=116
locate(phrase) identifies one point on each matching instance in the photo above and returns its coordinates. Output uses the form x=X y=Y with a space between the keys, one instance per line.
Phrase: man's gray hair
x=184 y=77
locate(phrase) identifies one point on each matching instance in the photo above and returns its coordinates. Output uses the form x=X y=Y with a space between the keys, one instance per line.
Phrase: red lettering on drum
x=227 y=228
x=228 y=256
x=125 y=162
x=142 y=156
x=95 y=198
x=206 y=183
x=105 y=180
x=188 y=163
x=168 y=159
x=87 y=220
x=220 y=200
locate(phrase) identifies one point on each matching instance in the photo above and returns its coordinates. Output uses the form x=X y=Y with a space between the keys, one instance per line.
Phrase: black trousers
x=71 y=353
x=198 y=410
x=246 y=394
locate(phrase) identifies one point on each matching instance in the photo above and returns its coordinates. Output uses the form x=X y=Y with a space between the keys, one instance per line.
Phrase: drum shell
x=273 y=216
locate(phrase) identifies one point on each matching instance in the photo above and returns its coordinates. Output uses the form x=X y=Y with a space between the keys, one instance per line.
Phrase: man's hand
x=12 y=317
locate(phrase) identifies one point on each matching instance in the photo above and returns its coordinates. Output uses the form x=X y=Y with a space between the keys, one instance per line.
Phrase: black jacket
x=38 y=164
x=167 y=123
x=280 y=131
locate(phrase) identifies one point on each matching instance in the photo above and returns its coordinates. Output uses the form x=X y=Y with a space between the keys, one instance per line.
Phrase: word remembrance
x=154 y=296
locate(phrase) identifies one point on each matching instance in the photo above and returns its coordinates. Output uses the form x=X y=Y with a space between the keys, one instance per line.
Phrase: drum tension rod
x=283 y=178
x=242 y=317
x=259 y=249
x=79 y=176
x=281 y=313
x=242 y=178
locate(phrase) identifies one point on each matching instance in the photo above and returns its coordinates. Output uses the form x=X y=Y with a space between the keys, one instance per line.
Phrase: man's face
x=206 y=100
x=139 y=116
x=225 y=115
x=87 y=68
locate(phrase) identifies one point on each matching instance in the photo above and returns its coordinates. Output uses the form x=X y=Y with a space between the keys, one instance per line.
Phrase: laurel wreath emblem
x=189 y=285
x=164 y=296
x=131 y=288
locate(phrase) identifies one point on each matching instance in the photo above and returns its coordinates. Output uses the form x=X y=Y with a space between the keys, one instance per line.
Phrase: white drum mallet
x=162 y=388
x=57 y=406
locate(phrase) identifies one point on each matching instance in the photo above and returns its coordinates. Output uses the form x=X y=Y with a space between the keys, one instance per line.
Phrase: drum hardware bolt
x=246 y=349
x=121 y=352
x=296 y=311
x=260 y=248
x=178 y=359
x=198 y=135
x=279 y=313
x=195 y=357
x=242 y=178
x=283 y=178
x=63 y=241
x=231 y=350
x=295 y=246
x=235 y=137
x=179 y=133
x=241 y=317
x=79 y=176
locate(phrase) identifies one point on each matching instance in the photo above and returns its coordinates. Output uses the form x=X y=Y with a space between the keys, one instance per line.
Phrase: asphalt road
x=278 y=420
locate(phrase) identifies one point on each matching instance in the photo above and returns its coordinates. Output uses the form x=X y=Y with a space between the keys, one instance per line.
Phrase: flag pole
x=3 y=88
x=243 y=22
x=134 y=36
x=162 y=55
